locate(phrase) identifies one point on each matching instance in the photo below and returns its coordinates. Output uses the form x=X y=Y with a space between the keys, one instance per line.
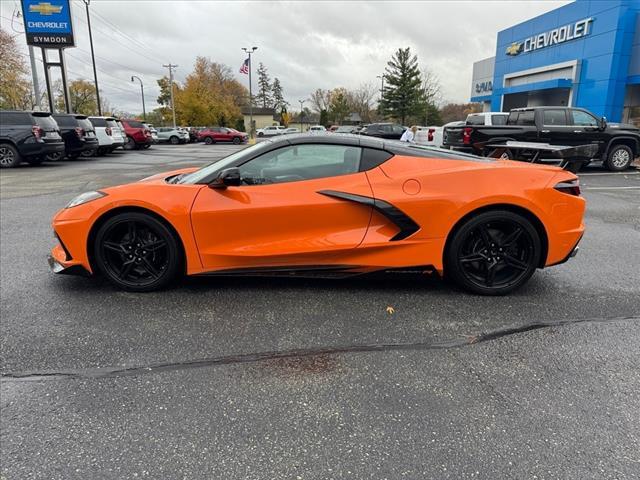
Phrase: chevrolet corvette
x=333 y=205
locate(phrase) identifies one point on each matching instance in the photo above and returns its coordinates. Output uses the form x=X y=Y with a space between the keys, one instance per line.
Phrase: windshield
x=214 y=167
x=46 y=121
x=86 y=124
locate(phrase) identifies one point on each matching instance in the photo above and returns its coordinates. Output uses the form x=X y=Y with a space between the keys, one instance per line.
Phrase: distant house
x=353 y=119
x=307 y=119
x=262 y=117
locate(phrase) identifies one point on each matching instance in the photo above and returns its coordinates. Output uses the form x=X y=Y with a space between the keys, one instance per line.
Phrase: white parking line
x=608 y=173
x=610 y=188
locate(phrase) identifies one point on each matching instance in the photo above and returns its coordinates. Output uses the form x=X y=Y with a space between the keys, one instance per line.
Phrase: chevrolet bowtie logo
x=45 y=8
x=514 y=49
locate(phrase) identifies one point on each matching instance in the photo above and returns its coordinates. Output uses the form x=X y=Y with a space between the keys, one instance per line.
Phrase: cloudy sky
x=307 y=44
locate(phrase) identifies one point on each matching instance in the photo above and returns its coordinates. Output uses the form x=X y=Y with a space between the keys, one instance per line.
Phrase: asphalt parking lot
x=313 y=379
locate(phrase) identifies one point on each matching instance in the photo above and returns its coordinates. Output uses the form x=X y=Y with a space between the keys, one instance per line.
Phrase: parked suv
x=138 y=135
x=383 y=130
x=29 y=136
x=78 y=134
x=172 y=135
x=221 y=134
x=108 y=133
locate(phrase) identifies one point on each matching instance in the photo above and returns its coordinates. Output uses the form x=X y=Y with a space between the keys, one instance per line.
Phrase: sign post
x=47 y=25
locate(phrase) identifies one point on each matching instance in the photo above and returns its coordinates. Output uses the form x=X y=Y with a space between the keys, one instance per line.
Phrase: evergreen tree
x=403 y=95
x=264 y=87
x=278 y=99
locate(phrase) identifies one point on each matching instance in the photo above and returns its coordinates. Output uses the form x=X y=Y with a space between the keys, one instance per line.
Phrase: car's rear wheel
x=130 y=145
x=54 y=157
x=260 y=134
x=9 y=156
x=501 y=154
x=208 y=141
x=236 y=140
x=137 y=252
x=619 y=158
x=174 y=140
x=493 y=253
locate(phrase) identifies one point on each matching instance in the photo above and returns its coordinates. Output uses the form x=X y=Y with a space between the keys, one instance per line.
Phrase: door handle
x=577 y=131
x=545 y=131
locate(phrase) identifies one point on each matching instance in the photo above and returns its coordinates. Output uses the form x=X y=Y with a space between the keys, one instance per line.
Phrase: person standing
x=409 y=134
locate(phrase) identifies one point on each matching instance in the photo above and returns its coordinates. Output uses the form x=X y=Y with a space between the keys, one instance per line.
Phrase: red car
x=222 y=134
x=138 y=135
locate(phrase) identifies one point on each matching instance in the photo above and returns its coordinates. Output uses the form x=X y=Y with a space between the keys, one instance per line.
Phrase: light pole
x=144 y=112
x=381 y=77
x=93 y=57
x=301 y=113
x=249 y=51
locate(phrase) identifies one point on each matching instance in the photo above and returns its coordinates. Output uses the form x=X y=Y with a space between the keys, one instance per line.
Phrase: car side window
x=583 y=119
x=526 y=117
x=498 y=119
x=295 y=163
x=554 y=117
x=398 y=130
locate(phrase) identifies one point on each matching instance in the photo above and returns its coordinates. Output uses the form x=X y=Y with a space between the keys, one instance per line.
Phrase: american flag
x=245 y=67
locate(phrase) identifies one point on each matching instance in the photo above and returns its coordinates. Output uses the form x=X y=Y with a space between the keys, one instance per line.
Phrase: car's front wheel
x=236 y=140
x=619 y=158
x=208 y=140
x=137 y=252
x=493 y=253
x=174 y=140
x=9 y=156
x=130 y=145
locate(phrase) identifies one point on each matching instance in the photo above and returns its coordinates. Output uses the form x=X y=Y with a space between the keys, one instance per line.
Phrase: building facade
x=584 y=54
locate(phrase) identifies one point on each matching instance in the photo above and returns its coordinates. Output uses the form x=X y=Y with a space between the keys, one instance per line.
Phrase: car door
x=585 y=129
x=283 y=213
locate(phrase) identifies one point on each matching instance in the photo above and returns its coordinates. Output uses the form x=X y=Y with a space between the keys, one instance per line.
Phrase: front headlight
x=84 y=198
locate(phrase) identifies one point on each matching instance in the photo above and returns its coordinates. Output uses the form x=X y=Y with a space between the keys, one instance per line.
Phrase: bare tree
x=321 y=100
x=361 y=100
x=431 y=87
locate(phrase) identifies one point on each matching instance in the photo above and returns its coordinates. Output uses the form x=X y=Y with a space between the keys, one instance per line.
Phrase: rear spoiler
x=572 y=158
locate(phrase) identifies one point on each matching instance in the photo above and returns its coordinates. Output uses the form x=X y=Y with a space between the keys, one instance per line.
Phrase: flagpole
x=251 y=132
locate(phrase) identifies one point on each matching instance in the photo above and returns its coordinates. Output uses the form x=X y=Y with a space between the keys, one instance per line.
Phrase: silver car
x=172 y=135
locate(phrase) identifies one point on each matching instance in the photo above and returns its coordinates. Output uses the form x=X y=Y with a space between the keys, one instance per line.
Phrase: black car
x=78 y=134
x=383 y=130
x=28 y=136
x=618 y=144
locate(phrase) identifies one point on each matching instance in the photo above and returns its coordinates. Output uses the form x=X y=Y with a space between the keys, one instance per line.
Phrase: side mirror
x=229 y=177
x=602 y=123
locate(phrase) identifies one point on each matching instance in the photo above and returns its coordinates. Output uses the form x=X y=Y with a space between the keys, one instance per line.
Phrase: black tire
x=54 y=157
x=493 y=253
x=236 y=140
x=9 y=156
x=35 y=161
x=260 y=134
x=90 y=153
x=130 y=145
x=209 y=141
x=174 y=140
x=619 y=158
x=137 y=252
x=505 y=155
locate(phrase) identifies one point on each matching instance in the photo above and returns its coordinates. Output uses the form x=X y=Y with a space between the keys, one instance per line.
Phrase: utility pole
x=381 y=77
x=249 y=51
x=173 y=110
x=301 y=113
x=93 y=57
x=144 y=112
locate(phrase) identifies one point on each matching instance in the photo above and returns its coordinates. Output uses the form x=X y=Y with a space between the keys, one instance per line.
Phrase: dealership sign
x=484 y=87
x=556 y=36
x=48 y=24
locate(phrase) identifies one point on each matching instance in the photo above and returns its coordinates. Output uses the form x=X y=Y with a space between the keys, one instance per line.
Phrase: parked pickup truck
x=618 y=144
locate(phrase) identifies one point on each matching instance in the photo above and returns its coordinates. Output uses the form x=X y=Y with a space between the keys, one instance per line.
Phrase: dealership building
x=584 y=54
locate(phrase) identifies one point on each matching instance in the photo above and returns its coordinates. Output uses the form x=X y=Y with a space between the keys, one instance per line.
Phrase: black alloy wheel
x=236 y=140
x=493 y=253
x=137 y=252
x=208 y=140
x=504 y=154
x=9 y=156
x=174 y=140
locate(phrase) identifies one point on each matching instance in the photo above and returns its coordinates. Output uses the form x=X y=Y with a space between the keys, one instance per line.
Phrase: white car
x=271 y=130
x=154 y=132
x=172 y=135
x=292 y=130
x=317 y=129
x=108 y=132
x=432 y=136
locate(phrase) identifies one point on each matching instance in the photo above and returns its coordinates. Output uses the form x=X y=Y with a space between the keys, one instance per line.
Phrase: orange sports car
x=328 y=206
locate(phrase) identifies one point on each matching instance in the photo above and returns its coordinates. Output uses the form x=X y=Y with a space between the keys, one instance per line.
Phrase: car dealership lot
x=382 y=377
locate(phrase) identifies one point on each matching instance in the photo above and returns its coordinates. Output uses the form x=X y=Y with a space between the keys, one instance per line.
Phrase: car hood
x=164 y=176
x=623 y=126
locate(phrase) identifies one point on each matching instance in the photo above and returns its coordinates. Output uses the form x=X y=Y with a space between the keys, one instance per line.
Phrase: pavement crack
x=458 y=342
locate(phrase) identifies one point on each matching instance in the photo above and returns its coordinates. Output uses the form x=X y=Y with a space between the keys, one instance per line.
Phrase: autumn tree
x=264 y=87
x=82 y=97
x=339 y=106
x=452 y=112
x=15 y=88
x=403 y=95
x=164 y=98
x=210 y=95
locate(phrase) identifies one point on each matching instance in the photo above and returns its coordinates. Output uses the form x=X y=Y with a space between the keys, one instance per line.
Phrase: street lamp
x=144 y=112
x=301 y=113
x=381 y=77
x=249 y=51
x=93 y=57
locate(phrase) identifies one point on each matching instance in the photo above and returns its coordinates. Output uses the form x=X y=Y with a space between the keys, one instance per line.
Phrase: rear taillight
x=430 y=134
x=571 y=187
x=37 y=131
x=466 y=135
x=147 y=133
x=107 y=130
x=79 y=132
